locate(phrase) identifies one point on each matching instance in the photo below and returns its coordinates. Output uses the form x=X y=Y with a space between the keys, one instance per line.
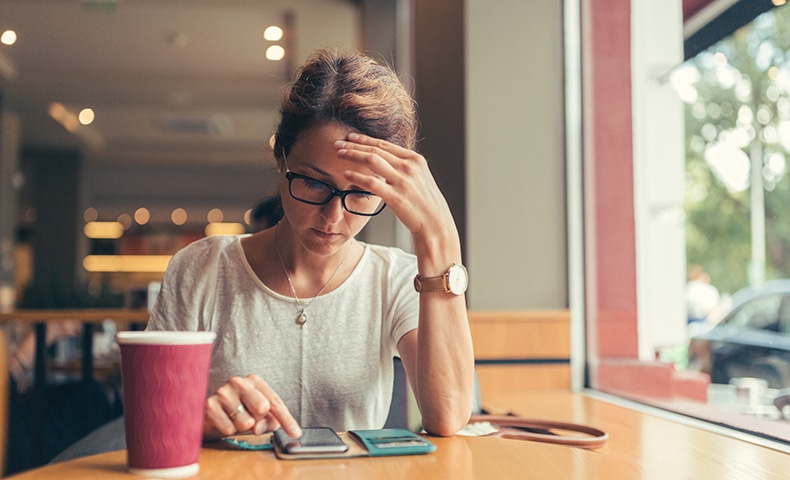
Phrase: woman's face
x=321 y=229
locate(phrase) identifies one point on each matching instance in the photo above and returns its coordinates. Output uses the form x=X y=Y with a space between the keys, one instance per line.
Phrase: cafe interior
x=131 y=128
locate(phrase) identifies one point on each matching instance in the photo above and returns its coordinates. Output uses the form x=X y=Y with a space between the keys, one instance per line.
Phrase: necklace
x=302 y=317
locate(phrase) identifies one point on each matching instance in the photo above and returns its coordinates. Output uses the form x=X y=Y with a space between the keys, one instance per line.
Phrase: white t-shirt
x=701 y=299
x=337 y=369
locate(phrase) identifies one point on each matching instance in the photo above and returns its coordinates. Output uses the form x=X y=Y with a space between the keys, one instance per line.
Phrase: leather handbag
x=561 y=433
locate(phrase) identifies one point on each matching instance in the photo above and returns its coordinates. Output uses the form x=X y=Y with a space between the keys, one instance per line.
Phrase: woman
x=308 y=318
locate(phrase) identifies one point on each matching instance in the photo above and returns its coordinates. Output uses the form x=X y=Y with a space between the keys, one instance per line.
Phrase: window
x=633 y=305
x=761 y=313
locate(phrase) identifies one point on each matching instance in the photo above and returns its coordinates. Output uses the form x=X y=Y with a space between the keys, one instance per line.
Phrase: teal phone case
x=393 y=441
x=374 y=443
x=250 y=442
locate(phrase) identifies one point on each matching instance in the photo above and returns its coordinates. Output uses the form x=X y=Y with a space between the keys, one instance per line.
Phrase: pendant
x=302 y=318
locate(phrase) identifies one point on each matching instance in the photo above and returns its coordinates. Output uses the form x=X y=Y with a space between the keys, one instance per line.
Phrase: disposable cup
x=164 y=377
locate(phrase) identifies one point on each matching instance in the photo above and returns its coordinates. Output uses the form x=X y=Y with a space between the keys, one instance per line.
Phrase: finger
x=277 y=409
x=266 y=424
x=240 y=409
x=217 y=418
x=379 y=162
x=229 y=411
x=386 y=170
x=401 y=177
x=272 y=424
x=392 y=162
x=356 y=142
x=363 y=139
x=371 y=183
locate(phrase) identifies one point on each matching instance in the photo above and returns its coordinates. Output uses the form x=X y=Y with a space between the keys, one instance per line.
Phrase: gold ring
x=237 y=411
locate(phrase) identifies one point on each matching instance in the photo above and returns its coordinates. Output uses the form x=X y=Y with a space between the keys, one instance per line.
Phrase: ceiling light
x=179 y=216
x=90 y=214
x=275 y=53
x=86 y=116
x=103 y=230
x=126 y=263
x=8 y=37
x=72 y=123
x=215 y=215
x=273 y=33
x=61 y=114
x=142 y=215
x=230 y=228
x=125 y=220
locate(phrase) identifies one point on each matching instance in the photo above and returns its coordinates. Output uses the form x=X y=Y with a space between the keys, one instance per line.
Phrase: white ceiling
x=142 y=65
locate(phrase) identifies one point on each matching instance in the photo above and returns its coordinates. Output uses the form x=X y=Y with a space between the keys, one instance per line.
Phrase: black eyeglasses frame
x=334 y=192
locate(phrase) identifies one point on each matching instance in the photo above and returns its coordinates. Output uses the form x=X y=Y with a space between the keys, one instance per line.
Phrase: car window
x=761 y=313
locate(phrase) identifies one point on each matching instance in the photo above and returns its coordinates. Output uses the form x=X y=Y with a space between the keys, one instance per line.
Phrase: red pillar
x=609 y=225
x=610 y=249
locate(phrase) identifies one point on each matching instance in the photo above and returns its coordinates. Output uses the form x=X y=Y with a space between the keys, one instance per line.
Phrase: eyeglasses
x=315 y=192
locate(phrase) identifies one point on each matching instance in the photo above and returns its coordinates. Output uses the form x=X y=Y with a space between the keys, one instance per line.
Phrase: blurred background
x=129 y=128
x=142 y=126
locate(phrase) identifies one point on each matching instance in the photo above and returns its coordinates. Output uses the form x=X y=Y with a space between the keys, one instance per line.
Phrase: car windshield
x=761 y=313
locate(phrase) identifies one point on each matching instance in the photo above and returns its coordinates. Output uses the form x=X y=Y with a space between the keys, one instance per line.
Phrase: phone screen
x=313 y=440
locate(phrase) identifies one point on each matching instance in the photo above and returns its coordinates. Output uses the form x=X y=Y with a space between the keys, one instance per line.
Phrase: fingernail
x=353 y=136
x=340 y=143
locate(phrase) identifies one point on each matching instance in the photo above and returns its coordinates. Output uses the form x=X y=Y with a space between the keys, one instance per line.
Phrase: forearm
x=438 y=355
x=444 y=373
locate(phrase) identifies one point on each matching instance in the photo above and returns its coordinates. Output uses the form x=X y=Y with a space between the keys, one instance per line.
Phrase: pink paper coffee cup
x=164 y=378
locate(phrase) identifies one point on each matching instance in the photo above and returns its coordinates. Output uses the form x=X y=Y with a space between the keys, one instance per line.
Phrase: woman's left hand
x=438 y=356
x=401 y=178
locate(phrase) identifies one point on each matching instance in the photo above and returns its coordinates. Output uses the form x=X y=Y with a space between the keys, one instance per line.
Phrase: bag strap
x=520 y=428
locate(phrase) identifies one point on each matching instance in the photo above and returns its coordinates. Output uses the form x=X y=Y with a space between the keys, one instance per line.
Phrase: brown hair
x=350 y=88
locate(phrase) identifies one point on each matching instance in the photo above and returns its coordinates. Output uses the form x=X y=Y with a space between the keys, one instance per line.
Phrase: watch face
x=457 y=279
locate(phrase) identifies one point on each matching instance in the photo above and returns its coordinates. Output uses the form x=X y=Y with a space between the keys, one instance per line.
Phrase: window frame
x=603 y=236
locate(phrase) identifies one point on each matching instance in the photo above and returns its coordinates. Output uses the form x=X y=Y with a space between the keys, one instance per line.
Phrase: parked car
x=751 y=340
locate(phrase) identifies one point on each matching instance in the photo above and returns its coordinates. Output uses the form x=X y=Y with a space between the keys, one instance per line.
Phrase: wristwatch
x=455 y=280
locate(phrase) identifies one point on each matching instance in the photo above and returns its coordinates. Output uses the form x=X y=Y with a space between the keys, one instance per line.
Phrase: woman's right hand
x=247 y=404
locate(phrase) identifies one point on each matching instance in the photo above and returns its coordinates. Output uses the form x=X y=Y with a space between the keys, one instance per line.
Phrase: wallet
x=361 y=443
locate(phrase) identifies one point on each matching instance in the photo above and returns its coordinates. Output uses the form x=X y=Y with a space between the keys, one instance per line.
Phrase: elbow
x=446 y=425
x=445 y=416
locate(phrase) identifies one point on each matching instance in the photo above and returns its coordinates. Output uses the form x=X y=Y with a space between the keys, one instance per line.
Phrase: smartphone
x=313 y=440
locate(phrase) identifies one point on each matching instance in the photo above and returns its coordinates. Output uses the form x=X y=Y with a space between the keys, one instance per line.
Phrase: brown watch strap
x=431 y=284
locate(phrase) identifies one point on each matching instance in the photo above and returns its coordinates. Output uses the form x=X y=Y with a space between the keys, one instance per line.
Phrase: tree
x=737 y=96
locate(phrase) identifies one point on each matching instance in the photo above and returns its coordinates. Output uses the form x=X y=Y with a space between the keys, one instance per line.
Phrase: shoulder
x=206 y=248
x=391 y=257
x=391 y=263
x=190 y=282
x=203 y=257
x=212 y=243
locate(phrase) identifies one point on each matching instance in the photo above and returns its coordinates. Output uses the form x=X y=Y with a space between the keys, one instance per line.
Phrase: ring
x=237 y=411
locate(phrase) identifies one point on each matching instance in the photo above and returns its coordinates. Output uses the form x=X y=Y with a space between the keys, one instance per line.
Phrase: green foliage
x=743 y=95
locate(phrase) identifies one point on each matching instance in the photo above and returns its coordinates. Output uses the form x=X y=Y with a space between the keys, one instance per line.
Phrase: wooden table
x=456 y=458
x=641 y=446
x=644 y=445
